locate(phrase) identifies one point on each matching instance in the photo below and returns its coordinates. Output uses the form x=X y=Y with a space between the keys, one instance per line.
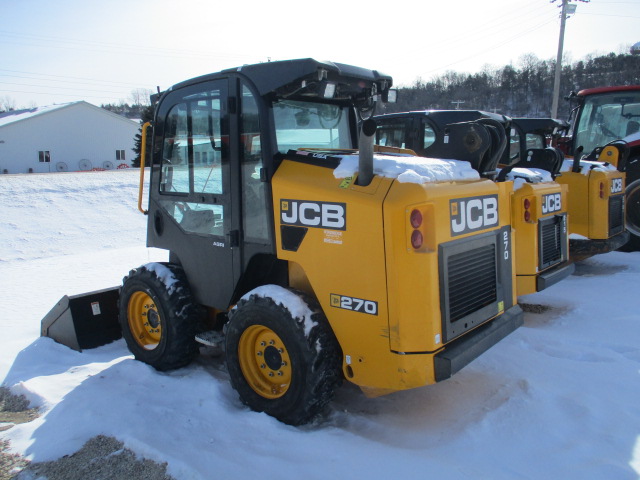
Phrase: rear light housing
x=416 y=232
x=527 y=209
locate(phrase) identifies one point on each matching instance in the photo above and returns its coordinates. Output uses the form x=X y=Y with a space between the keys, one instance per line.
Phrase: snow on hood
x=587 y=166
x=410 y=169
x=520 y=176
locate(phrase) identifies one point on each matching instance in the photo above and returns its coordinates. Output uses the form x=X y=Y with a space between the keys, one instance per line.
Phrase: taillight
x=527 y=212
x=601 y=189
x=415 y=218
x=417 y=239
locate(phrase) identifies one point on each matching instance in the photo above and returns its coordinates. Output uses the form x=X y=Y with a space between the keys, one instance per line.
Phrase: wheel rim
x=145 y=322
x=264 y=361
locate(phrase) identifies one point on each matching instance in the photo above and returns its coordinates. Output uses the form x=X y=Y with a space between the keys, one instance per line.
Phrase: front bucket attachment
x=82 y=321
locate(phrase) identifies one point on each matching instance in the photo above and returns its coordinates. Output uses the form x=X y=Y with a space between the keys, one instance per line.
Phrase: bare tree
x=7 y=104
x=141 y=96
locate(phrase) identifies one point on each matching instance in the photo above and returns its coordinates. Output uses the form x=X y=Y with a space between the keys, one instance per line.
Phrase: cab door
x=192 y=210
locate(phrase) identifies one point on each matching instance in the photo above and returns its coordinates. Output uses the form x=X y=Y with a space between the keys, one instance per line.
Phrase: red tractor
x=606 y=116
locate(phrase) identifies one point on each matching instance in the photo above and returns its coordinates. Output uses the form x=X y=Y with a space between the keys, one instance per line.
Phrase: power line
x=607 y=15
x=67 y=80
x=493 y=47
x=89 y=45
x=59 y=88
x=54 y=94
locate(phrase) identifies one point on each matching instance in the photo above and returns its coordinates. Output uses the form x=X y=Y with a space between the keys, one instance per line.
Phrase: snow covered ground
x=557 y=399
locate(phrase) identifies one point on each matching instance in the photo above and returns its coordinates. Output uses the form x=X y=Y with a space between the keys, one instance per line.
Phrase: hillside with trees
x=524 y=90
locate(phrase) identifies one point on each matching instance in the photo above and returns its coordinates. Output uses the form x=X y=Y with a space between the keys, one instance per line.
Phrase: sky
x=101 y=52
x=556 y=399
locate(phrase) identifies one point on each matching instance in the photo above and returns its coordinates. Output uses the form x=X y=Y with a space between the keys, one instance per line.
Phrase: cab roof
x=543 y=126
x=597 y=90
x=285 y=77
x=444 y=117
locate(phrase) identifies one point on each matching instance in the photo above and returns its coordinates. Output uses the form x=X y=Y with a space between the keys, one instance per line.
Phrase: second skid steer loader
x=538 y=202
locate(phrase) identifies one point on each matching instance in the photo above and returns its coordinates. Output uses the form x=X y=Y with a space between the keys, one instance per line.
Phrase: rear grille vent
x=551 y=240
x=472 y=281
x=616 y=214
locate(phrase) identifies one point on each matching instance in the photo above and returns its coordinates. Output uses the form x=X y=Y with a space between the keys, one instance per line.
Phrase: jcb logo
x=474 y=213
x=616 y=185
x=314 y=214
x=551 y=203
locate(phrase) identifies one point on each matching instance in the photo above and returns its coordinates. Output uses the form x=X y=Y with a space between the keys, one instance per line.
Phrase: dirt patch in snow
x=101 y=457
x=14 y=409
x=534 y=307
x=10 y=463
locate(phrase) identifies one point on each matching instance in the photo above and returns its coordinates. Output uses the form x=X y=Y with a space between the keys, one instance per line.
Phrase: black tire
x=275 y=366
x=158 y=316
x=632 y=209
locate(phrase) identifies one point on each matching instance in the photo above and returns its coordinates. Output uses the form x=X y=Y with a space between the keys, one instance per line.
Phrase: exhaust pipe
x=365 y=144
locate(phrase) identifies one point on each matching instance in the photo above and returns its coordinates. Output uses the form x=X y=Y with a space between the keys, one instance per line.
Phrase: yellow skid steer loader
x=306 y=255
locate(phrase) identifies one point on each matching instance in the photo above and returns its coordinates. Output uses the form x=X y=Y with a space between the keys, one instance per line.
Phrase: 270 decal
x=355 y=304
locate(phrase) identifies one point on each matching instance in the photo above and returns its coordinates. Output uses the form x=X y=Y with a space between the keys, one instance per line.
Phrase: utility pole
x=457 y=102
x=567 y=9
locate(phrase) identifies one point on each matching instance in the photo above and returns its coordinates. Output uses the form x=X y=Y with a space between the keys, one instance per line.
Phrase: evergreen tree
x=146 y=116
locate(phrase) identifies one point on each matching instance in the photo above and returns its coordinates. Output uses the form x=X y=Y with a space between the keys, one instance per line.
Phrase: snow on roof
x=13 y=116
x=410 y=169
x=16 y=115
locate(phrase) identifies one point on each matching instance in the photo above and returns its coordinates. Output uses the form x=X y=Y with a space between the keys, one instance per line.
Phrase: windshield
x=607 y=117
x=311 y=125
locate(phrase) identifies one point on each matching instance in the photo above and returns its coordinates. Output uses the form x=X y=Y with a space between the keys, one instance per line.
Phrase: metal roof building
x=67 y=137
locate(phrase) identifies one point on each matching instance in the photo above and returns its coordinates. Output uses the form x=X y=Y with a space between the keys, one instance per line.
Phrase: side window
x=192 y=162
x=175 y=167
x=207 y=145
x=429 y=136
x=254 y=207
x=535 y=140
x=514 y=146
x=391 y=134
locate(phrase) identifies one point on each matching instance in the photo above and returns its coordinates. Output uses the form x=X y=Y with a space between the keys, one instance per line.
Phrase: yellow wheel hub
x=145 y=323
x=264 y=361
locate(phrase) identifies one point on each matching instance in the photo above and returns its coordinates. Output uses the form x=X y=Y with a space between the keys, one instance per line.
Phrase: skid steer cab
x=596 y=181
x=308 y=261
x=538 y=204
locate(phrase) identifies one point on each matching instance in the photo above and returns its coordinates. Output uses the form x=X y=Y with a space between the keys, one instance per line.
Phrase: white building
x=65 y=138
